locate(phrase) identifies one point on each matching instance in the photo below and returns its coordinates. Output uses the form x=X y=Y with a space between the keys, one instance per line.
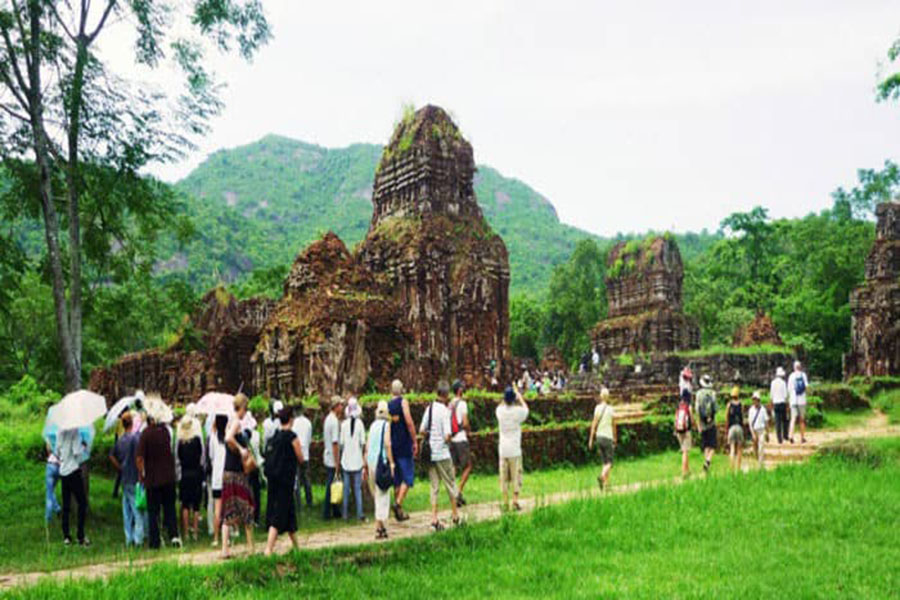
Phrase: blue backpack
x=800 y=385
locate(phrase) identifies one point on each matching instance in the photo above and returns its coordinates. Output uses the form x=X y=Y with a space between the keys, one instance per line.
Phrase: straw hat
x=382 y=412
x=706 y=381
x=158 y=410
x=188 y=428
x=779 y=372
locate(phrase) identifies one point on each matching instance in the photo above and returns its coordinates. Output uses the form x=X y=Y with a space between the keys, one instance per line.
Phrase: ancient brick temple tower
x=875 y=330
x=430 y=246
x=643 y=286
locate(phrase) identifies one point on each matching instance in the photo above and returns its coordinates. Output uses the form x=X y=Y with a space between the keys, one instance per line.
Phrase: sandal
x=437 y=526
x=516 y=507
x=381 y=534
x=457 y=521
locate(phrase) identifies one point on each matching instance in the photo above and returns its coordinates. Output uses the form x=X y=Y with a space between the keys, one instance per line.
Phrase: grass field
x=824 y=529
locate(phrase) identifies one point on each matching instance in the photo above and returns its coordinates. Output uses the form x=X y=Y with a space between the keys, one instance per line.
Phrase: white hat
x=382 y=411
x=756 y=395
x=796 y=364
x=277 y=407
x=779 y=372
x=604 y=392
x=706 y=381
x=353 y=407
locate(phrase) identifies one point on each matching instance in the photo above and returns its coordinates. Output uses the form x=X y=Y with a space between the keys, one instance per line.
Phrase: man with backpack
x=459 y=443
x=797 y=384
x=604 y=429
x=683 y=427
x=706 y=422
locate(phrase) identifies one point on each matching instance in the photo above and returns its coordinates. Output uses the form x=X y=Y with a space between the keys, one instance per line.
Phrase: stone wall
x=875 y=329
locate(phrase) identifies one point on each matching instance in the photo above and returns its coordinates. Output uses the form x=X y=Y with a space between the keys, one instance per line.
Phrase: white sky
x=627 y=116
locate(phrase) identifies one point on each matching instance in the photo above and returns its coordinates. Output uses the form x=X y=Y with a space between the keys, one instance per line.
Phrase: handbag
x=140 y=497
x=383 y=478
x=337 y=492
x=426 y=443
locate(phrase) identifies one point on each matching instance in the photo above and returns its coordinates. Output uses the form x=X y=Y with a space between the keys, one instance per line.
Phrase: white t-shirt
x=217 y=458
x=757 y=418
x=462 y=409
x=509 y=419
x=778 y=391
x=303 y=428
x=330 y=435
x=439 y=421
x=352 y=445
x=792 y=388
x=605 y=413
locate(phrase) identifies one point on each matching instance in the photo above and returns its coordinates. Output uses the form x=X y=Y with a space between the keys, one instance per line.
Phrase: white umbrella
x=215 y=403
x=116 y=411
x=77 y=409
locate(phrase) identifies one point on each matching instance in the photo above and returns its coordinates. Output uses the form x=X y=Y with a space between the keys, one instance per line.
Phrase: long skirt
x=237 y=501
x=280 y=510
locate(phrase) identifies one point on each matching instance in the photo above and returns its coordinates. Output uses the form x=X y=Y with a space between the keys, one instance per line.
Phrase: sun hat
x=735 y=392
x=381 y=411
x=277 y=407
x=353 y=408
x=706 y=381
x=158 y=410
x=779 y=372
x=604 y=392
x=756 y=395
x=509 y=395
x=188 y=427
x=397 y=387
x=336 y=401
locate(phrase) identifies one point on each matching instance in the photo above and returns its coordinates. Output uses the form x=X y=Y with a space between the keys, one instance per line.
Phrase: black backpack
x=281 y=462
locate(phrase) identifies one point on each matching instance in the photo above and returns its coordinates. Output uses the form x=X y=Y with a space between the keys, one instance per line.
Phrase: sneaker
x=176 y=542
x=67 y=541
x=85 y=543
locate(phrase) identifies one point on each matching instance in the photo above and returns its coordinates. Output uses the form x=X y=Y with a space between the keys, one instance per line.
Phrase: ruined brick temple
x=875 y=330
x=643 y=287
x=424 y=296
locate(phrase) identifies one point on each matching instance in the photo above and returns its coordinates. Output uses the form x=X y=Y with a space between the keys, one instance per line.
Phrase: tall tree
x=64 y=110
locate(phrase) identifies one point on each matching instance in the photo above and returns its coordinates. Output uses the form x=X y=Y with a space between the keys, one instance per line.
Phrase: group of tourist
x=549 y=382
x=697 y=411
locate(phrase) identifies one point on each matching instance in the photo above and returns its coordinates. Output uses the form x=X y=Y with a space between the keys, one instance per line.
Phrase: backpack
x=383 y=478
x=800 y=385
x=683 y=417
x=706 y=406
x=455 y=425
x=281 y=464
x=426 y=444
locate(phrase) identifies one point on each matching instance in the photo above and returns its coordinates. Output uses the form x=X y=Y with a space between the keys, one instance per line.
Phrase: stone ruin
x=761 y=330
x=875 y=306
x=425 y=296
x=643 y=287
x=212 y=351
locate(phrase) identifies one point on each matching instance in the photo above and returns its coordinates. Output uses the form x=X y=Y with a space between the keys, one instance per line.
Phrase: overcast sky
x=627 y=116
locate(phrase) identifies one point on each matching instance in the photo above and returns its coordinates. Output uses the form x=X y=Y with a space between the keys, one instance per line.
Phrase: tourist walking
x=124 y=459
x=237 y=499
x=284 y=455
x=353 y=444
x=435 y=428
x=379 y=452
x=735 y=424
x=404 y=445
x=510 y=416
x=759 y=427
x=686 y=381
x=271 y=424
x=797 y=384
x=51 y=478
x=683 y=430
x=604 y=431
x=72 y=451
x=303 y=428
x=156 y=470
x=459 y=443
x=705 y=409
x=217 y=452
x=331 y=454
x=189 y=453
x=778 y=395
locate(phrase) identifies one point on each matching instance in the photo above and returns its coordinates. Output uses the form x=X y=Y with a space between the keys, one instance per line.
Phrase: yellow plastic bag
x=337 y=492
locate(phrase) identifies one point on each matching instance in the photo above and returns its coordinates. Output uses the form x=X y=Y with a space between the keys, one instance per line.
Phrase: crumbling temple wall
x=760 y=331
x=211 y=353
x=875 y=306
x=643 y=286
x=431 y=248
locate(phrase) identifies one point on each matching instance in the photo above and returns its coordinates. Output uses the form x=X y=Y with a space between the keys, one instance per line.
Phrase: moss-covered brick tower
x=431 y=248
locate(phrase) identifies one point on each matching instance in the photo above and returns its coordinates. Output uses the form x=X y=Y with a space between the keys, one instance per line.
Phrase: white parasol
x=118 y=408
x=78 y=409
x=215 y=403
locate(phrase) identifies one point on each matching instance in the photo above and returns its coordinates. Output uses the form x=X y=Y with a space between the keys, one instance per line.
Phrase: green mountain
x=258 y=205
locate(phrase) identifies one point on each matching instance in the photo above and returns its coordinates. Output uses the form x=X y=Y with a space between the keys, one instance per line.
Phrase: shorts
x=708 y=438
x=459 y=452
x=404 y=471
x=605 y=447
x=511 y=474
x=736 y=435
x=798 y=410
x=217 y=494
x=684 y=440
x=442 y=472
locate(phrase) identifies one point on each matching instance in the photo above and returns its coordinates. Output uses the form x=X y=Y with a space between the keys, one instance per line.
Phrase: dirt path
x=419 y=523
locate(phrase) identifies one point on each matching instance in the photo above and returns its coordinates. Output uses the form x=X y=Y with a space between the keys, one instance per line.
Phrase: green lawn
x=824 y=529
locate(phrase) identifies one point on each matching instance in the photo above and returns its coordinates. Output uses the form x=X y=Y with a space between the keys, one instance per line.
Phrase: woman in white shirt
x=378 y=451
x=217 y=464
x=352 y=442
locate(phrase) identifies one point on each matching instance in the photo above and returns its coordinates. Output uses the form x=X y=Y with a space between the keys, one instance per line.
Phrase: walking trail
x=419 y=522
